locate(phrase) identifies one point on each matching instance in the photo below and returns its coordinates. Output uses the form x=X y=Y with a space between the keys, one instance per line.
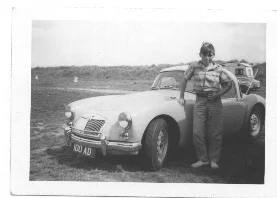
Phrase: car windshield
x=171 y=80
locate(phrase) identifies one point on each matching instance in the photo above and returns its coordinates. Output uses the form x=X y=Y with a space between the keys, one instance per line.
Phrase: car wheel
x=156 y=144
x=255 y=123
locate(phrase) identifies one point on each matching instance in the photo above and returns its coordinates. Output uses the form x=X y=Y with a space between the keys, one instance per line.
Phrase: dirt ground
x=52 y=160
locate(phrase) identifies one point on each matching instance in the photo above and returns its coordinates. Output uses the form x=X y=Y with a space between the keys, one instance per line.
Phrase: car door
x=233 y=111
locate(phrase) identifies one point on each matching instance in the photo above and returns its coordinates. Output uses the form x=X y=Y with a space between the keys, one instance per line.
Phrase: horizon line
x=146 y=65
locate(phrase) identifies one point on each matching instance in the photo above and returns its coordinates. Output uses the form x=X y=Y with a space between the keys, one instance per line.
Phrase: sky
x=111 y=43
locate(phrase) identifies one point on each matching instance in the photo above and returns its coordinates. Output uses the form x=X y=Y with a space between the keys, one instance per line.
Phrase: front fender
x=142 y=119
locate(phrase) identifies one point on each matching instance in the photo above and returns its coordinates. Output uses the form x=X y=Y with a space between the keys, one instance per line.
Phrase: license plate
x=83 y=150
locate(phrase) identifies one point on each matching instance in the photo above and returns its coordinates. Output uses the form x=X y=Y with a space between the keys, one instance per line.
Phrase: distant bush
x=243 y=61
x=117 y=72
x=261 y=75
x=233 y=61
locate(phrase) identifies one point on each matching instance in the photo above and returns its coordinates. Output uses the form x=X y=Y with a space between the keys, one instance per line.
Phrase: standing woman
x=211 y=82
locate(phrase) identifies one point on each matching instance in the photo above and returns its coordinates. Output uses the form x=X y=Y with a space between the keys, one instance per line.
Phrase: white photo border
x=21 y=102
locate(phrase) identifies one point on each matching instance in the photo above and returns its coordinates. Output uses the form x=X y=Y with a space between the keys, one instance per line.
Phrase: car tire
x=156 y=144
x=255 y=123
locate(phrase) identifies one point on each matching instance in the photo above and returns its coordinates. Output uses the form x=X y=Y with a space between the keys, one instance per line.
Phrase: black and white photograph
x=149 y=100
x=114 y=87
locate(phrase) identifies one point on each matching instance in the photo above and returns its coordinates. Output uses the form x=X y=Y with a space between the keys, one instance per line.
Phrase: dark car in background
x=245 y=84
x=244 y=74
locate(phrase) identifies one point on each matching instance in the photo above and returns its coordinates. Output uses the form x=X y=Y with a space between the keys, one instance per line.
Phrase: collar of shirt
x=208 y=68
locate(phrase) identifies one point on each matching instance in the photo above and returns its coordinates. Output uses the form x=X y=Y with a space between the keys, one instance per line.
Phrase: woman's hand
x=213 y=95
x=182 y=101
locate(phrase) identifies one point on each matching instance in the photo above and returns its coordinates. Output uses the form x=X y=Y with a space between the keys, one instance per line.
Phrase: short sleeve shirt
x=207 y=78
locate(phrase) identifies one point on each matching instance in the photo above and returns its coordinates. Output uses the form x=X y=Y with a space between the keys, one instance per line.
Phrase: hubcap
x=162 y=143
x=255 y=125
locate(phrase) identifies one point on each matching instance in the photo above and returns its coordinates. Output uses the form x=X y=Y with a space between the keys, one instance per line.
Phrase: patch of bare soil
x=108 y=91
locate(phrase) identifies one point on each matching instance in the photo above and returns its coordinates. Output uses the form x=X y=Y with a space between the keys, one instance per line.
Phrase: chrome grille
x=84 y=133
x=94 y=125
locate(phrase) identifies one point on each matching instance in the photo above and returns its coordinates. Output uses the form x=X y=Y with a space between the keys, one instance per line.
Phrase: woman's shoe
x=214 y=165
x=199 y=164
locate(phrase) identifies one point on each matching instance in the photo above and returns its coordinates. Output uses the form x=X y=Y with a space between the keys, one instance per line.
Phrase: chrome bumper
x=102 y=144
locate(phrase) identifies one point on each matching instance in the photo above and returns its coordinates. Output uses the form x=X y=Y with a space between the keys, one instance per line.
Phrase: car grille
x=92 y=129
x=94 y=125
x=87 y=134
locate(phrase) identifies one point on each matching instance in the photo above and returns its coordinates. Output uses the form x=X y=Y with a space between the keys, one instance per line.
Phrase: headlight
x=69 y=113
x=125 y=120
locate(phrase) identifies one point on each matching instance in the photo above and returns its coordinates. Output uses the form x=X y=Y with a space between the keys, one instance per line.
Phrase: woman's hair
x=207 y=49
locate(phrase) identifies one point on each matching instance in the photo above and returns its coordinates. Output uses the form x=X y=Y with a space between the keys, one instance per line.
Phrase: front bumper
x=105 y=146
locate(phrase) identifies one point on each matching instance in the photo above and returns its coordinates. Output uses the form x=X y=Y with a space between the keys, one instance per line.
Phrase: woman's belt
x=203 y=94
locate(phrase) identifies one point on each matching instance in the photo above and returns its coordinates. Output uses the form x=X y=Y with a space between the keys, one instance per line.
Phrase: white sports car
x=152 y=121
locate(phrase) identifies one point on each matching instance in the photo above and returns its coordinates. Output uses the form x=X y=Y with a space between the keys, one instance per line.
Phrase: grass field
x=88 y=83
x=52 y=160
x=133 y=78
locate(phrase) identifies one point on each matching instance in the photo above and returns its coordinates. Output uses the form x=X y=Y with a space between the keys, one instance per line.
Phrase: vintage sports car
x=152 y=122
